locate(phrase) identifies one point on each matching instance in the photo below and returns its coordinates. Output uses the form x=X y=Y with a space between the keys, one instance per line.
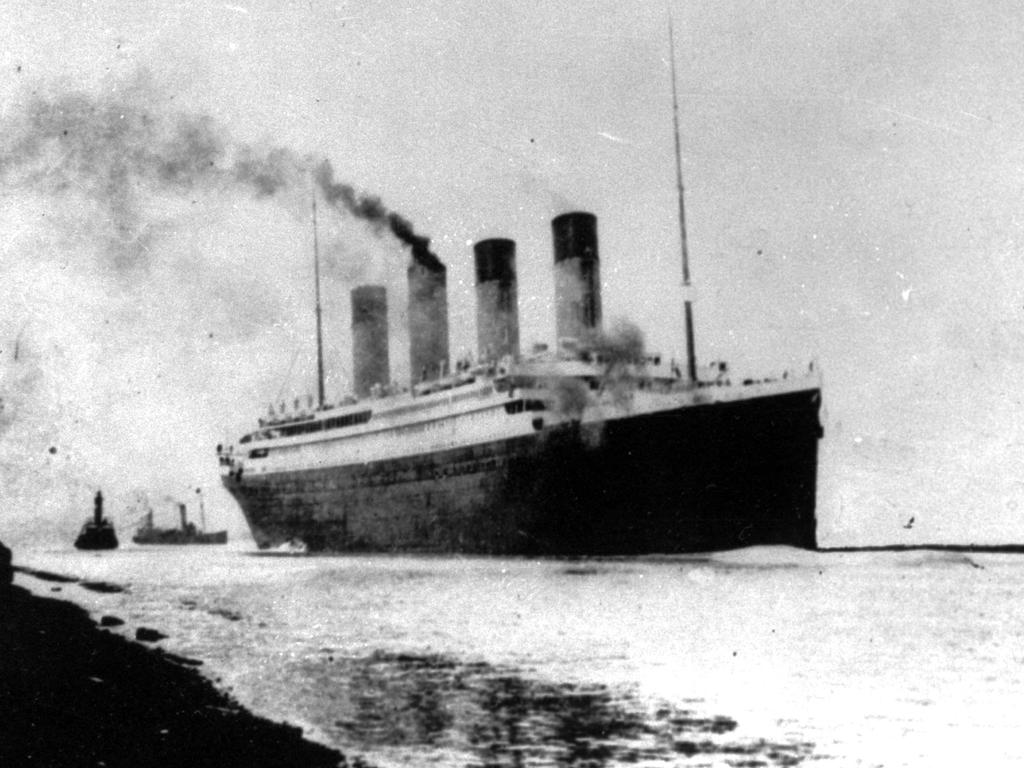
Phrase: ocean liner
x=593 y=448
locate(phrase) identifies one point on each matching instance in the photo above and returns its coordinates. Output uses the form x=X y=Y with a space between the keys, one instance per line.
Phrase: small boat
x=187 y=533
x=97 y=533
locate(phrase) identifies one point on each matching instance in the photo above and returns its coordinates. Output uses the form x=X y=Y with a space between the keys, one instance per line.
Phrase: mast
x=319 y=320
x=691 y=360
x=202 y=509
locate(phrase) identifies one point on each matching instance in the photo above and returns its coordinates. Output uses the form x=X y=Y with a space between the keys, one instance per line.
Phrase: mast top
x=679 y=155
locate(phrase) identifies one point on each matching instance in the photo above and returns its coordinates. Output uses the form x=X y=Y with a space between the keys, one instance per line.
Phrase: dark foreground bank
x=72 y=694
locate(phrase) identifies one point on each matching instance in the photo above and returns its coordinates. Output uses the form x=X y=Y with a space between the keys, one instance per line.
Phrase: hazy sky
x=853 y=172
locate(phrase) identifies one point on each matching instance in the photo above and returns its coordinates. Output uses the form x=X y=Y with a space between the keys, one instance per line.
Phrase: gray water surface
x=766 y=656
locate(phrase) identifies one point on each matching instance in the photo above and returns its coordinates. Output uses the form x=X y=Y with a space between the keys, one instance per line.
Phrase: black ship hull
x=177 y=536
x=96 y=537
x=697 y=478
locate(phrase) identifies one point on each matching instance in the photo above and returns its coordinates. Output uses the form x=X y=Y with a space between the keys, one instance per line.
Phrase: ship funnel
x=497 y=303
x=428 y=321
x=577 y=275
x=370 y=362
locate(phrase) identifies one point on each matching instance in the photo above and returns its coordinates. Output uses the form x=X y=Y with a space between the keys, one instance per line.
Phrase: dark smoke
x=192 y=153
x=620 y=353
x=269 y=171
x=619 y=348
x=571 y=397
x=116 y=147
x=140 y=243
x=111 y=149
x=371 y=209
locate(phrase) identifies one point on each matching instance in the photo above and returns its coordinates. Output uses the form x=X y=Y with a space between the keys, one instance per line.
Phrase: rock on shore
x=72 y=694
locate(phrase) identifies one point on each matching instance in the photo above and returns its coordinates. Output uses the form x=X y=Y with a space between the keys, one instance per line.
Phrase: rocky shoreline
x=74 y=694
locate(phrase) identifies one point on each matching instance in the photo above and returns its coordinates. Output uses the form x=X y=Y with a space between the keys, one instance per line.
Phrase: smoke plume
x=116 y=147
x=158 y=266
x=371 y=209
x=620 y=348
x=570 y=397
x=620 y=353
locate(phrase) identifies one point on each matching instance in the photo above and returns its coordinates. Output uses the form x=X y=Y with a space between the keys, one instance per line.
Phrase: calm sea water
x=766 y=656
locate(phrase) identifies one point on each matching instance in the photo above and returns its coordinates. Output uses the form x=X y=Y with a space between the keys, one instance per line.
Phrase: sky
x=853 y=183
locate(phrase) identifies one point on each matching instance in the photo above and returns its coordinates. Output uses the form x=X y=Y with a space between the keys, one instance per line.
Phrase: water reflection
x=399 y=700
x=493 y=717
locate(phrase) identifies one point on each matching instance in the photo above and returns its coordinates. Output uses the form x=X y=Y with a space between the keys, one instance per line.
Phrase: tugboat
x=147 y=533
x=97 y=533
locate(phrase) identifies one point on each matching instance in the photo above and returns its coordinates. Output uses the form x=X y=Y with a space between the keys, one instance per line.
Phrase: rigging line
x=287 y=377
